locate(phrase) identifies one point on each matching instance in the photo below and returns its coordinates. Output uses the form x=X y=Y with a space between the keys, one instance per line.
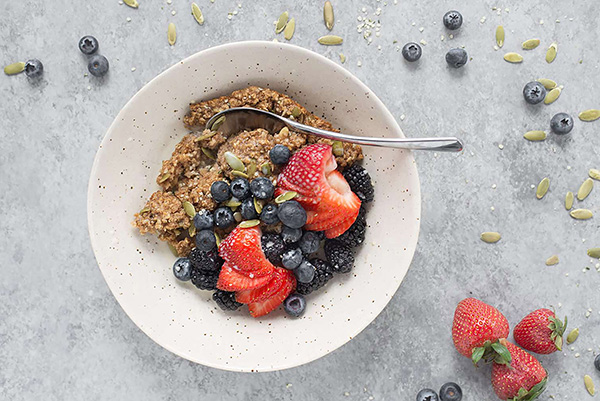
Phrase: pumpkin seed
x=172 y=34
x=282 y=22
x=573 y=336
x=288 y=32
x=131 y=3
x=548 y=83
x=581 y=214
x=251 y=170
x=209 y=153
x=530 y=44
x=552 y=95
x=208 y=135
x=218 y=239
x=331 y=40
x=328 y=15
x=490 y=237
x=551 y=52
x=218 y=122
x=552 y=260
x=249 y=223
x=234 y=162
x=197 y=13
x=265 y=168
x=237 y=216
x=286 y=196
x=585 y=189
x=189 y=209
x=589 y=384
x=513 y=58
x=296 y=112
x=542 y=188
x=14 y=68
x=164 y=178
x=569 y=200
x=144 y=210
x=338 y=148
x=342 y=58
x=595 y=174
x=594 y=253
x=258 y=206
x=239 y=174
x=173 y=250
x=535 y=135
x=192 y=230
x=284 y=131
x=500 y=36
x=233 y=203
x=589 y=115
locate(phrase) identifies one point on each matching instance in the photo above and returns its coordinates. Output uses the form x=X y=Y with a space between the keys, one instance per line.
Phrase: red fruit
x=524 y=379
x=540 y=332
x=264 y=292
x=232 y=279
x=242 y=250
x=261 y=308
x=476 y=329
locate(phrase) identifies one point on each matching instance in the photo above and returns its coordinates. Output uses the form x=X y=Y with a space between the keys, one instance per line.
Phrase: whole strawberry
x=523 y=380
x=540 y=332
x=476 y=329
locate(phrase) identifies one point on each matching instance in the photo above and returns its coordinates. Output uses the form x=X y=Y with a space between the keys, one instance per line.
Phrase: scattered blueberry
x=272 y=246
x=203 y=220
x=291 y=258
x=339 y=256
x=34 y=68
x=98 y=65
x=182 y=269
x=412 y=51
x=450 y=392
x=240 y=188
x=269 y=214
x=305 y=272
x=205 y=240
x=220 y=191
x=88 y=45
x=597 y=362
x=294 y=305
x=323 y=273
x=456 y=58
x=453 y=20
x=561 y=123
x=280 y=154
x=290 y=235
x=248 y=210
x=360 y=182
x=427 y=394
x=208 y=261
x=262 y=188
x=309 y=243
x=534 y=92
x=291 y=214
x=226 y=300
x=224 y=217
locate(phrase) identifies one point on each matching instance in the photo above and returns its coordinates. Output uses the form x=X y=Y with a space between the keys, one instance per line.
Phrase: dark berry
x=305 y=272
x=309 y=243
x=291 y=258
x=280 y=154
x=203 y=220
x=456 y=58
x=34 y=68
x=248 y=210
x=339 y=256
x=450 y=392
x=219 y=191
x=453 y=20
x=292 y=214
x=290 y=235
x=205 y=240
x=534 y=92
x=224 y=217
x=98 y=65
x=427 y=394
x=208 y=261
x=273 y=247
x=204 y=280
x=323 y=273
x=262 y=188
x=360 y=182
x=88 y=45
x=412 y=51
x=597 y=362
x=226 y=300
x=355 y=235
x=561 y=123
x=294 y=305
x=182 y=269
x=240 y=188
x=269 y=214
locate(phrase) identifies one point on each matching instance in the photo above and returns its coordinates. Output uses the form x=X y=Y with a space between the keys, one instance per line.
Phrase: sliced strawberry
x=242 y=250
x=341 y=228
x=231 y=279
x=264 y=292
x=306 y=170
x=261 y=308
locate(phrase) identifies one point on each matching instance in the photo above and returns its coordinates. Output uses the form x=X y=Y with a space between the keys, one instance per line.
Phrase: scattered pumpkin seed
x=594 y=253
x=342 y=58
x=288 y=32
x=249 y=223
x=552 y=260
x=589 y=384
x=189 y=209
x=209 y=153
x=251 y=170
x=569 y=200
x=338 y=148
x=551 y=52
x=258 y=206
x=232 y=203
x=573 y=336
x=585 y=189
x=282 y=22
x=552 y=95
x=542 y=188
x=234 y=162
x=164 y=178
x=144 y=210
x=530 y=44
x=513 y=58
x=208 y=135
x=331 y=40
x=548 y=83
x=328 y=15
x=172 y=34
x=535 y=135
x=172 y=248
x=131 y=3
x=265 y=168
x=218 y=239
x=296 y=112
x=192 y=230
x=197 y=13
x=284 y=131
x=237 y=216
x=582 y=214
x=14 y=68
x=500 y=36
x=589 y=115
x=595 y=174
x=239 y=174
x=218 y=122
x=286 y=196
x=490 y=237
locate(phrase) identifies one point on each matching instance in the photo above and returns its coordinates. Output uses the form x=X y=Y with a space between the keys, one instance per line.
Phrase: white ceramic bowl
x=137 y=268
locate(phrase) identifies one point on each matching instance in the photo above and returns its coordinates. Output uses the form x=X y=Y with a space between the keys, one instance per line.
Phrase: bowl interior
x=138 y=268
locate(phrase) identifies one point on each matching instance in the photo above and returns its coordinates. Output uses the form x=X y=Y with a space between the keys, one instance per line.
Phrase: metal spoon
x=237 y=119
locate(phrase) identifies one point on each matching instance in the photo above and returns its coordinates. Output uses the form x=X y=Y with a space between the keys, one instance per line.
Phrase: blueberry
x=262 y=188
x=290 y=235
x=561 y=123
x=240 y=188
x=182 y=269
x=291 y=258
x=305 y=272
x=309 y=243
x=450 y=392
x=534 y=92
x=219 y=191
x=247 y=209
x=427 y=394
x=280 y=154
x=269 y=214
x=294 y=305
x=412 y=51
x=224 y=217
x=98 y=65
x=597 y=362
x=34 y=68
x=203 y=220
x=456 y=58
x=205 y=240
x=292 y=214
x=453 y=20
x=88 y=45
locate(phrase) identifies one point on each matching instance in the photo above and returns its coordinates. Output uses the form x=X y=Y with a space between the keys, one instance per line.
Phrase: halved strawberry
x=232 y=279
x=261 y=308
x=242 y=250
x=264 y=292
x=341 y=228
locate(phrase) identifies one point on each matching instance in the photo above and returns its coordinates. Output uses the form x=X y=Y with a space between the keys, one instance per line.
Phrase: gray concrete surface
x=64 y=337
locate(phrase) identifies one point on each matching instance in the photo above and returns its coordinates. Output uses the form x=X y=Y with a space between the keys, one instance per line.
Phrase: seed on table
x=552 y=260
x=589 y=384
x=514 y=58
x=585 y=189
x=548 y=83
x=573 y=336
x=535 y=135
x=595 y=174
x=14 y=68
x=530 y=44
x=569 y=200
x=328 y=15
x=552 y=95
x=500 y=36
x=490 y=237
x=594 y=253
x=581 y=214
x=542 y=188
x=589 y=115
x=281 y=22
x=197 y=13
x=331 y=40
x=172 y=34
x=288 y=32
x=551 y=52
x=131 y=3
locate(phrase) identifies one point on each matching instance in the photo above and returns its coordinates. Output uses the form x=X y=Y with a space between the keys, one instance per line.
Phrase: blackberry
x=204 y=280
x=226 y=300
x=205 y=261
x=339 y=255
x=360 y=182
x=323 y=273
x=355 y=235
x=273 y=247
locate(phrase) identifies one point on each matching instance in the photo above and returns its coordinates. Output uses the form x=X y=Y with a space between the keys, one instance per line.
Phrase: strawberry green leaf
x=477 y=354
x=502 y=351
x=558 y=342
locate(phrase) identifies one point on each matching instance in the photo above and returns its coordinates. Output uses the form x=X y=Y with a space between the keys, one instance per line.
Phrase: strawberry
x=523 y=380
x=242 y=250
x=261 y=308
x=264 y=292
x=540 y=332
x=323 y=192
x=476 y=329
x=232 y=279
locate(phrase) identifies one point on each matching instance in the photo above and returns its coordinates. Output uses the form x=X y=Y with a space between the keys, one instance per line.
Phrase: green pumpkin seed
x=172 y=34
x=251 y=170
x=552 y=95
x=542 y=188
x=589 y=115
x=490 y=237
x=594 y=253
x=239 y=174
x=189 y=209
x=569 y=200
x=234 y=162
x=338 y=148
x=342 y=58
x=284 y=131
x=265 y=168
x=500 y=36
x=513 y=58
x=551 y=52
x=233 y=203
x=209 y=153
x=218 y=239
x=144 y=210
x=14 y=68
x=548 y=83
x=131 y=3
x=164 y=178
x=218 y=122
x=237 y=216
x=585 y=189
x=197 y=13
x=282 y=22
x=207 y=135
x=589 y=384
x=288 y=32
x=258 y=206
x=328 y=15
x=172 y=248
x=595 y=174
x=249 y=223
x=531 y=44
x=581 y=214
x=286 y=196
x=192 y=230
x=535 y=135
x=296 y=112
x=573 y=336
x=552 y=260
x=331 y=40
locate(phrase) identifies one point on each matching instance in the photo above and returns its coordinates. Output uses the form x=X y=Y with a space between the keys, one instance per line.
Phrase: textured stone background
x=63 y=336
